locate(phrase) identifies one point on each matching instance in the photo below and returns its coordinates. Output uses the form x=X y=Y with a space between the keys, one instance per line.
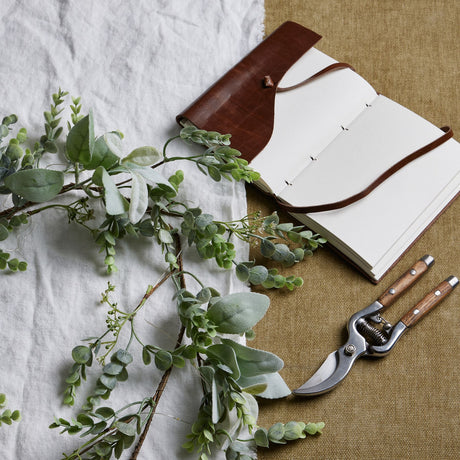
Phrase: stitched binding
x=358 y=196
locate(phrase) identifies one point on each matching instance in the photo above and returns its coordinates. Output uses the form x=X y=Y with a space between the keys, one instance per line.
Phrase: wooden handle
x=402 y=283
x=430 y=301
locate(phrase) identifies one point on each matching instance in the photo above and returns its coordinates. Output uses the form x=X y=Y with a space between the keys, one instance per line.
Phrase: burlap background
x=407 y=405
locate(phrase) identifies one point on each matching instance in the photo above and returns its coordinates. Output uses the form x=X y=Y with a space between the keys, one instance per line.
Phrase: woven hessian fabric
x=407 y=405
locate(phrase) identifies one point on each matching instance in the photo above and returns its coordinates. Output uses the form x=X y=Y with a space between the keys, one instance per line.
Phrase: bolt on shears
x=369 y=334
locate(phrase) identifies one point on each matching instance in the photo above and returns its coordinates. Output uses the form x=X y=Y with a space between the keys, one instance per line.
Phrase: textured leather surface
x=250 y=120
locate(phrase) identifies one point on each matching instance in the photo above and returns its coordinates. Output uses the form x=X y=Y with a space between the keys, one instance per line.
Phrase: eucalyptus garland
x=139 y=201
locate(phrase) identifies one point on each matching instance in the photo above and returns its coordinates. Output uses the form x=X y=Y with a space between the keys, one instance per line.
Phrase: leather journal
x=363 y=171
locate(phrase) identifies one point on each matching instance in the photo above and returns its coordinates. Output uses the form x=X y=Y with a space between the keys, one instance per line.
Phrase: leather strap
x=336 y=66
x=358 y=196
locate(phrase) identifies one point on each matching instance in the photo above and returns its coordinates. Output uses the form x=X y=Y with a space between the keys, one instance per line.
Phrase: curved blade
x=334 y=369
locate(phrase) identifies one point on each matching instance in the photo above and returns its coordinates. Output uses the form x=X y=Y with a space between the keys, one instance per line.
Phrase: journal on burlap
x=351 y=164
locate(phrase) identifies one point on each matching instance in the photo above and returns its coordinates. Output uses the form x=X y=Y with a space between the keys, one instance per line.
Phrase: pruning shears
x=369 y=334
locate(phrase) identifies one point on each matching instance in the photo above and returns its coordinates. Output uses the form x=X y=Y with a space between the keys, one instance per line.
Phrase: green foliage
x=279 y=433
x=219 y=160
x=139 y=202
x=116 y=430
x=6 y=415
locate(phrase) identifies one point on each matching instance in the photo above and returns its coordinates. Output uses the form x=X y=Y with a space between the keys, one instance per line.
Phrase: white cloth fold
x=136 y=64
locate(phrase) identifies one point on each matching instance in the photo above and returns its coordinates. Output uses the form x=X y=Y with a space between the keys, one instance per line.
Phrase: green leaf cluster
x=281 y=433
x=83 y=358
x=231 y=372
x=6 y=415
x=13 y=264
x=306 y=241
x=219 y=160
x=112 y=373
x=208 y=237
x=115 y=432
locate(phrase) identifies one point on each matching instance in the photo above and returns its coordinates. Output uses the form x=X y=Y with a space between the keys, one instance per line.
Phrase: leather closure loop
x=358 y=196
x=336 y=66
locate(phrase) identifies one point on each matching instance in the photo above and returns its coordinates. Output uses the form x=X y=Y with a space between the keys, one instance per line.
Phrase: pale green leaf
x=165 y=236
x=151 y=176
x=139 y=198
x=239 y=312
x=143 y=156
x=36 y=185
x=115 y=202
x=216 y=413
x=275 y=386
x=113 y=141
x=261 y=437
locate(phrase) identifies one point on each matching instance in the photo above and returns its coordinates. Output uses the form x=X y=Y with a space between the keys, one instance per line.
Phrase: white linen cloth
x=136 y=64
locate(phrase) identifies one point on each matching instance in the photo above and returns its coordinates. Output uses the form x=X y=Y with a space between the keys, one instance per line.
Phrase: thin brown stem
x=165 y=377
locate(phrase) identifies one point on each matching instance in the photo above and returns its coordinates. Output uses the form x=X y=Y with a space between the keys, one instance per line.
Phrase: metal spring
x=371 y=333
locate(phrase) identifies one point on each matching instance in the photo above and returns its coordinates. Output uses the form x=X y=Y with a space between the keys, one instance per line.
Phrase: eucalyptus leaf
x=254 y=362
x=36 y=185
x=261 y=437
x=129 y=429
x=258 y=274
x=80 y=141
x=163 y=360
x=143 y=156
x=139 y=198
x=81 y=354
x=115 y=202
x=239 y=312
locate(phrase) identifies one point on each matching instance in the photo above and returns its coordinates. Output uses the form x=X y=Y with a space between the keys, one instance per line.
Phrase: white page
x=308 y=118
x=380 y=136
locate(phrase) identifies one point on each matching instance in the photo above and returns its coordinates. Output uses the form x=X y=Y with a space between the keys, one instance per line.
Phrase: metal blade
x=334 y=369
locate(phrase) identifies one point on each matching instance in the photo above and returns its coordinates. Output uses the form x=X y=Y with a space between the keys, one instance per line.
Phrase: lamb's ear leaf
x=239 y=312
x=115 y=202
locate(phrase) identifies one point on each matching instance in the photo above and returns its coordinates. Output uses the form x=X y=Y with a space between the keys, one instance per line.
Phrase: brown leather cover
x=242 y=101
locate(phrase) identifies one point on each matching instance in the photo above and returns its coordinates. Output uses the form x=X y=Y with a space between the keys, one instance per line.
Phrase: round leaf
x=81 y=354
x=123 y=356
x=163 y=360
